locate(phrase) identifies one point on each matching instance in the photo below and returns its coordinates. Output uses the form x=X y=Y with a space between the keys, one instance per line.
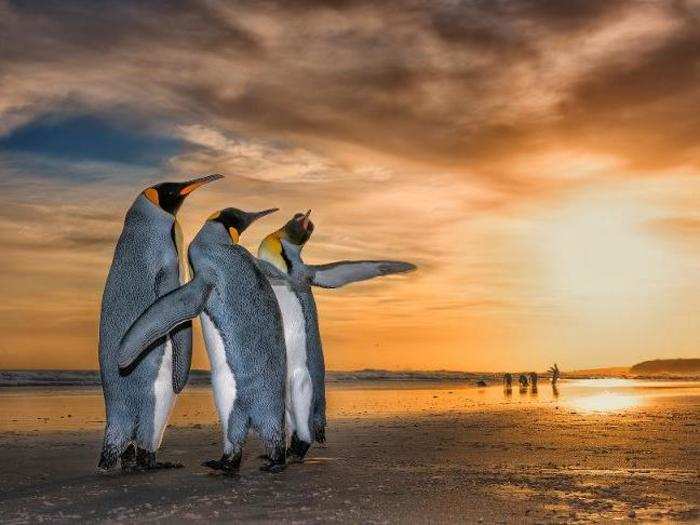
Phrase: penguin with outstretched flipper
x=292 y=279
x=243 y=332
x=147 y=264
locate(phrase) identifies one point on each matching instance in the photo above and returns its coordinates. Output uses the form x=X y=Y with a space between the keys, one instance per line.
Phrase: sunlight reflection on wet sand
x=25 y=409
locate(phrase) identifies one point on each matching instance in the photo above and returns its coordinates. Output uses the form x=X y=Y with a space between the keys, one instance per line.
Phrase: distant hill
x=667 y=366
x=611 y=371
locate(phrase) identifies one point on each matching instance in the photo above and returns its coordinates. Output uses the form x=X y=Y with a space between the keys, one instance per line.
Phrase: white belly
x=294 y=327
x=299 y=391
x=164 y=395
x=222 y=379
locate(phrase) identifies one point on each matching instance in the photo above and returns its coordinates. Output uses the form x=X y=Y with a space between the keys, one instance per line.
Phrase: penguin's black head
x=299 y=228
x=169 y=196
x=235 y=221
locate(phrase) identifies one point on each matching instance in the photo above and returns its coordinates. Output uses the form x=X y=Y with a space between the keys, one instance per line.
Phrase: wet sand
x=395 y=453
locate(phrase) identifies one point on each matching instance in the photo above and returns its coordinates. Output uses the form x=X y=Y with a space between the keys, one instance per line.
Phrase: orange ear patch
x=152 y=195
x=233 y=232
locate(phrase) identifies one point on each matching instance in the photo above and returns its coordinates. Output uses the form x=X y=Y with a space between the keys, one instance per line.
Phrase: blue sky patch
x=91 y=138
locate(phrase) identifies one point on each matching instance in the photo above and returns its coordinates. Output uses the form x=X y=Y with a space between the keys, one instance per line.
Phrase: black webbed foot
x=128 y=458
x=273 y=468
x=228 y=464
x=297 y=449
x=276 y=461
x=146 y=460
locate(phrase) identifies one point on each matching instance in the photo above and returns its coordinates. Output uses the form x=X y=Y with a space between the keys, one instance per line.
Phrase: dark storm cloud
x=652 y=101
x=455 y=84
x=88 y=27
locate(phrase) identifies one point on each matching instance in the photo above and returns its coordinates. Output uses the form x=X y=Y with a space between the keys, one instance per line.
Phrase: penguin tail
x=319 y=432
x=159 y=319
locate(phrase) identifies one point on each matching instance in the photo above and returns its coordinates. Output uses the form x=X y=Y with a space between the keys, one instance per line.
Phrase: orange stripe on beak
x=196 y=183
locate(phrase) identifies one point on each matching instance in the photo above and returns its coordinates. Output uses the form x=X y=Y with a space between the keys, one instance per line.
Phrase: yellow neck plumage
x=181 y=254
x=270 y=250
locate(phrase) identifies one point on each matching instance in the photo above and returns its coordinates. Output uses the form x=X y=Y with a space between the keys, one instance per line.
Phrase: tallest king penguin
x=147 y=264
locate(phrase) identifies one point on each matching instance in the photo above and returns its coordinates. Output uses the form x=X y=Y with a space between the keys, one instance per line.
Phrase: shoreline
x=91 y=378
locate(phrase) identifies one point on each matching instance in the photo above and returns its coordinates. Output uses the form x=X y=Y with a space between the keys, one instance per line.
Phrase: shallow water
x=65 y=408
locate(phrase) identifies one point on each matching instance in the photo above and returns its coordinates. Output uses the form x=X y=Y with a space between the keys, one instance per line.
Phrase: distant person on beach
x=508 y=381
x=523 y=381
x=554 y=371
x=533 y=381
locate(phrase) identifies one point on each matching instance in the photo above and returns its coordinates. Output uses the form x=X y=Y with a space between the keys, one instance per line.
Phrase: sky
x=539 y=161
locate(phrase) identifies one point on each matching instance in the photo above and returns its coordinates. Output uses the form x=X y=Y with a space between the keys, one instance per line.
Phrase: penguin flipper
x=181 y=339
x=335 y=275
x=159 y=319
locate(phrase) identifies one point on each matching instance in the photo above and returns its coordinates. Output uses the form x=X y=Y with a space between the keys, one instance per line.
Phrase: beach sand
x=413 y=453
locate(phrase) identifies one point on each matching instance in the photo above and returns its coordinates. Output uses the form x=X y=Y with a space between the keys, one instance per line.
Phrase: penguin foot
x=297 y=449
x=276 y=461
x=146 y=460
x=108 y=457
x=228 y=464
x=273 y=468
x=128 y=458
x=165 y=465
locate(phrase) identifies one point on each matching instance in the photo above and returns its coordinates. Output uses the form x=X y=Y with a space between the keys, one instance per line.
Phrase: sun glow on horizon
x=595 y=248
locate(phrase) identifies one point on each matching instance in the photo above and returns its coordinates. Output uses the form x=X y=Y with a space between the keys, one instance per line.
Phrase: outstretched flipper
x=335 y=275
x=159 y=319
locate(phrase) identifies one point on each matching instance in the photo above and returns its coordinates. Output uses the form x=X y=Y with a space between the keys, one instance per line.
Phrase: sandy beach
x=396 y=452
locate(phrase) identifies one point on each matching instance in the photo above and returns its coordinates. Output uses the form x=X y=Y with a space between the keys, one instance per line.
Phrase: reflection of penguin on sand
x=243 y=333
x=291 y=279
x=146 y=265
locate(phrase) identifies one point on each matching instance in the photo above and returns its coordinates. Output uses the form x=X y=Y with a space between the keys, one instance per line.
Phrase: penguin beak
x=257 y=214
x=189 y=186
x=305 y=220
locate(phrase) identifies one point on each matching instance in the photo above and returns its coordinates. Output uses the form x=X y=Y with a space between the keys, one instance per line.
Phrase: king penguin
x=243 y=333
x=147 y=264
x=291 y=279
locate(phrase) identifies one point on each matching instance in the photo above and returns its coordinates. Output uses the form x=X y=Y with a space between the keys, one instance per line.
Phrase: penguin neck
x=214 y=233
x=143 y=208
x=178 y=239
x=270 y=250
